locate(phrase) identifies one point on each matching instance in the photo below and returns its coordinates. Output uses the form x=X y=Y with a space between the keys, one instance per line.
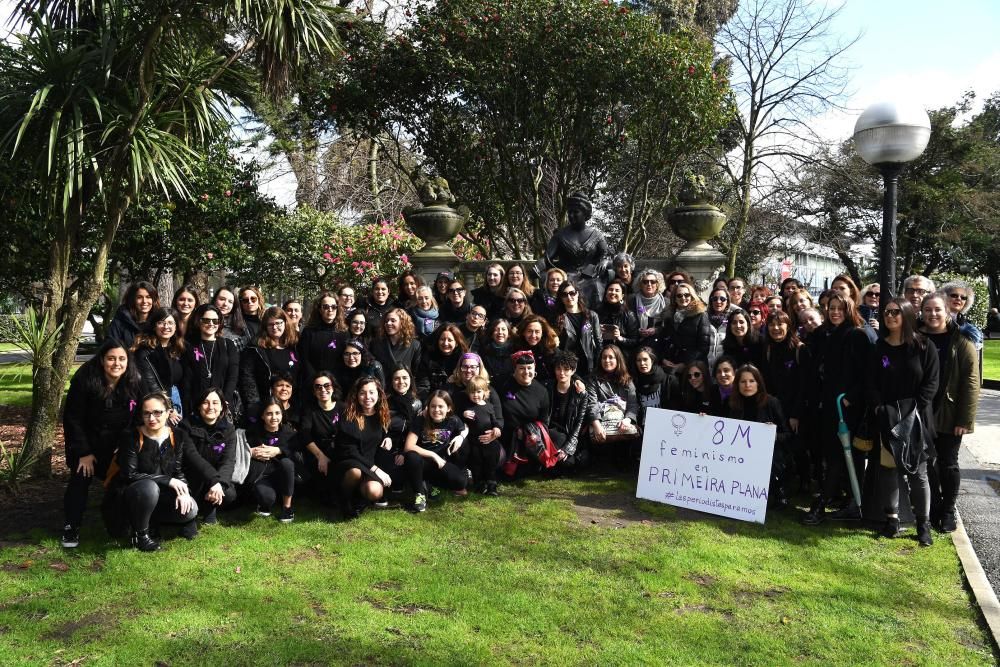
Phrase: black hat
x=445 y=275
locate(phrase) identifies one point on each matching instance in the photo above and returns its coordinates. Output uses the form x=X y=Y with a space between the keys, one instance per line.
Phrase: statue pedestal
x=703 y=262
x=429 y=263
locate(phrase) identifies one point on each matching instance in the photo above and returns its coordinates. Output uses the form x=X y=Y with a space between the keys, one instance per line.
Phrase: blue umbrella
x=845 y=441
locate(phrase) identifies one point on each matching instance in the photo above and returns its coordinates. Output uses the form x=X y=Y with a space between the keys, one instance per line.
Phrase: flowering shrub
x=356 y=254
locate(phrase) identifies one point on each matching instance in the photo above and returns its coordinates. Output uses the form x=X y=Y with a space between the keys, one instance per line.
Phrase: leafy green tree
x=518 y=104
x=107 y=100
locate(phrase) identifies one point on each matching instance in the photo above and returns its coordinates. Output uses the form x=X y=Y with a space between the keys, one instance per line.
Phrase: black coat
x=589 y=338
x=390 y=356
x=94 y=424
x=212 y=456
x=566 y=423
x=482 y=296
x=257 y=365
x=321 y=427
x=497 y=362
x=627 y=323
x=158 y=370
x=434 y=370
x=786 y=375
x=688 y=340
x=283 y=439
x=544 y=304
x=199 y=375
x=658 y=389
x=448 y=312
x=123 y=327
x=769 y=413
x=899 y=379
x=142 y=458
x=320 y=349
x=842 y=365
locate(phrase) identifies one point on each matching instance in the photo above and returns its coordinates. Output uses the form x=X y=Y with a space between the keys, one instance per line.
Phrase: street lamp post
x=887 y=136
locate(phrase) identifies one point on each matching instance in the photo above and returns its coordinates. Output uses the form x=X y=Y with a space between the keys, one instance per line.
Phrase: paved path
x=978 y=502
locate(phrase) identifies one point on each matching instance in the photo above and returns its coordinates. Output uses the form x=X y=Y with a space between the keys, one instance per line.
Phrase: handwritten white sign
x=710 y=464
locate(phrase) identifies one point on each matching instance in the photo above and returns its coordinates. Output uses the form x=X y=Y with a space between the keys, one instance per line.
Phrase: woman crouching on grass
x=272 y=468
x=153 y=467
x=211 y=462
x=364 y=427
x=439 y=434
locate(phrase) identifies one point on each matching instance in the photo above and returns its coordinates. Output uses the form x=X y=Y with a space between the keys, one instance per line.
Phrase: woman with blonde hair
x=687 y=332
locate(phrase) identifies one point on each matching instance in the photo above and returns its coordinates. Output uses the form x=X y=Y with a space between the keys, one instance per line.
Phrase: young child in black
x=484 y=435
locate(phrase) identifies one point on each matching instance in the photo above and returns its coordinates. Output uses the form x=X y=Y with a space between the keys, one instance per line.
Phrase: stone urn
x=696 y=220
x=435 y=225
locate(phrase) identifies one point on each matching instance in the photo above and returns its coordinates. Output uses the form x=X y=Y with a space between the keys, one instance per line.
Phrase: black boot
x=143 y=542
x=816 y=514
x=189 y=530
x=924 y=532
x=891 y=527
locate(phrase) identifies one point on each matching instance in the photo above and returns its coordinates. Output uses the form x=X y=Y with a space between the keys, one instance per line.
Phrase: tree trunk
x=66 y=303
x=741 y=221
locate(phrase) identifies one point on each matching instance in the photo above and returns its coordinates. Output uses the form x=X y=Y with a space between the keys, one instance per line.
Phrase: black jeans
x=146 y=499
x=944 y=474
x=419 y=469
x=890 y=479
x=278 y=480
x=484 y=460
x=78 y=487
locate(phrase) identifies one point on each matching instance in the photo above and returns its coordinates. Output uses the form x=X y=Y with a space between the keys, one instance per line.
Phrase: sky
x=923 y=52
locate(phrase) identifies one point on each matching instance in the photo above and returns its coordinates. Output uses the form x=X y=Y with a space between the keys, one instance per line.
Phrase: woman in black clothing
x=346 y=298
x=474 y=327
x=751 y=402
x=724 y=385
x=517 y=278
x=619 y=325
x=396 y=343
x=515 y=307
x=99 y=405
x=523 y=398
x=157 y=353
x=496 y=352
x=153 y=467
x=579 y=329
x=654 y=387
x=320 y=425
x=209 y=361
x=357 y=362
x=787 y=366
x=233 y=327
x=139 y=301
x=360 y=327
x=251 y=307
x=406 y=289
x=696 y=389
x=742 y=341
x=293 y=308
x=378 y=303
x=490 y=294
x=364 y=427
x=687 y=331
x=536 y=335
x=209 y=466
x=439 y=360
x=902 y=380
x=614 y=405
x=545 y=300
x=843 y=355
x=322 y=337
x=283 y=388
x=570 y=408
x=455 y=306
x=272 y=468
x=404 y=406
x=275 y=351
x=184 y=302
x=432 y=442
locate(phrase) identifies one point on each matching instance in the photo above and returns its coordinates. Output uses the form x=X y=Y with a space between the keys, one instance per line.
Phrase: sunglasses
x=682 y=295
x=569 y=293
x=719 y=299
x=456 y=290
x=478 y=316
x=516 y=300
x=328 y=306
x=961 y=297
x=892 y=312
x=873 y=294
x=210 y=321
x=696 y=374
x=248 y=299
x=651 y=281
x=676 y=281
x=756 y=312
x=326 y=386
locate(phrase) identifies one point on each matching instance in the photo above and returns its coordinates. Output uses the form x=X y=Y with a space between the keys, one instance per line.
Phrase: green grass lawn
x=9 y=347
x=15 y=384
x=538 y=576
x=991 y=360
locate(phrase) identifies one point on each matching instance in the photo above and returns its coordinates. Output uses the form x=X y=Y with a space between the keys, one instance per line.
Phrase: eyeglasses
x=153 y=414
x=276 y=324
x=569 y=293
x=961 y=297
x=477 y=315
x=682 y=295
x=892 y=312
x=756 y=312
x=736 y=287
x=873 y=294
x=719 y=299
x=650 y=281
x=326 y=386
x=456 y=290
x=352 y=354
x=474 y=367
x=347 y=295
x=248 y=299
x=675 y=281
x=328 y=306
x=210 y=321
x=915 y=291
x=695 y=374
x=516 y=300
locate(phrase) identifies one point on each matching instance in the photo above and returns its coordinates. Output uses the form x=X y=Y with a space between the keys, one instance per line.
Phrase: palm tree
x=107 y=99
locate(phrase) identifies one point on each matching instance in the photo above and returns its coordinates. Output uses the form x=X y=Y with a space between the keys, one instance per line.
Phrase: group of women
x=189 y=408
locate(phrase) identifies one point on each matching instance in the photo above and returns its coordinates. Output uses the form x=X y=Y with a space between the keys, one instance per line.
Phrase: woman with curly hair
x=613 y=401
x=536 y=335
x=406 y=289
x=364 y=427
x=439 y=359
x=687 y=332
x=619 y=325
